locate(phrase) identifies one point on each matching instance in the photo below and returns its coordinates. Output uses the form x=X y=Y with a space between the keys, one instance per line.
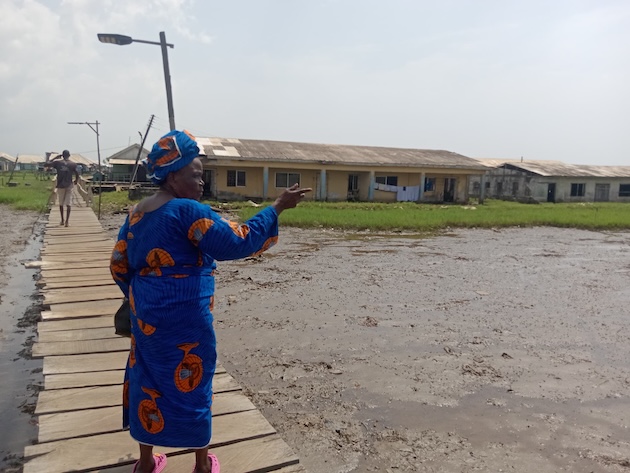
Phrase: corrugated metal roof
x=75 y=158
x=130 y=162
x=557 y=169
x=126 y=154
x=495 y=163
x=292 y=152
x=30 y=158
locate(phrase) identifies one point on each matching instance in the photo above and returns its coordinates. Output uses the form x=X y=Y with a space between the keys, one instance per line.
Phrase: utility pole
x=144 y=138
x=13 y=169
x=98 y=151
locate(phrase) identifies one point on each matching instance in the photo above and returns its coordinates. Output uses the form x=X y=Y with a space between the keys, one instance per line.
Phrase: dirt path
x=479 y=350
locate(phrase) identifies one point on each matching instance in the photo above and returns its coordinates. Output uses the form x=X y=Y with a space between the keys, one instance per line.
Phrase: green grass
x=405 y=216
x=31 y=192
x=428 y=217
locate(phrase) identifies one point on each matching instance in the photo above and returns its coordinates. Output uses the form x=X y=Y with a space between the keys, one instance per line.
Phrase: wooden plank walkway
x=79 y=410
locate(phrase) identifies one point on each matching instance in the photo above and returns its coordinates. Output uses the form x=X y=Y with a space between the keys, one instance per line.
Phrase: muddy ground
x=474 y=350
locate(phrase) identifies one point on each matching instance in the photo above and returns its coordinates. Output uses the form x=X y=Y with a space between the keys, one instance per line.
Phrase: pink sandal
x=160 y=463
x=214 y=464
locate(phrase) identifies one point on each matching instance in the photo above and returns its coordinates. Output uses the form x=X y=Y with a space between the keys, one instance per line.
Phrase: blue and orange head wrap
x=172 y=152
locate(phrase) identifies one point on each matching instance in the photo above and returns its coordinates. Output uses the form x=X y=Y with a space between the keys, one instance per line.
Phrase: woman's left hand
x=290 y=197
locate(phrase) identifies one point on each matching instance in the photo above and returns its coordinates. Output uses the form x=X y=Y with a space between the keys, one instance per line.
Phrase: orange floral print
x=198 y=229
x=239 y=230
x=149 y=414
x=157 y=258
x=189 y=372
x=268 y=244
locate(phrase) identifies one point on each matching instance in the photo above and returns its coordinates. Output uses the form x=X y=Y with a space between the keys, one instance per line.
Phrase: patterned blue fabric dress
x=163 y=262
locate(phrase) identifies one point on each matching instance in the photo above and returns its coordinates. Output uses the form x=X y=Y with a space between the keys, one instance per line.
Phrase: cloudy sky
x=538 y=79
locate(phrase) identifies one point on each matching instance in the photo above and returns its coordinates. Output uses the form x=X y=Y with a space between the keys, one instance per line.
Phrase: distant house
x=552 y=181
x=86 y=164
x=123 y=164
x=6 y=162
x=256 y=169
x=29 y=162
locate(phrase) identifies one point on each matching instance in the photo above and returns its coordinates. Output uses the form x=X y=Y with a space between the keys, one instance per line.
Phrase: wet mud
x=481 y=350
x=20 y=309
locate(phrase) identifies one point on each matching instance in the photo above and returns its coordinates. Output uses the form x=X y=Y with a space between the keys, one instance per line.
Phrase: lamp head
x=118 y=39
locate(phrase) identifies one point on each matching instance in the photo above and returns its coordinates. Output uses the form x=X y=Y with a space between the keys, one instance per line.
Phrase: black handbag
x=122 y=319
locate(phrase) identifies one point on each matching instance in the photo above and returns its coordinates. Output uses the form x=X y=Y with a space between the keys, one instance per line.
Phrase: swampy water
x=20 y=374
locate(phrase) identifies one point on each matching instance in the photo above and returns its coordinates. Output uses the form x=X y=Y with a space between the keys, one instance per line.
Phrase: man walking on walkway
x=65 y=169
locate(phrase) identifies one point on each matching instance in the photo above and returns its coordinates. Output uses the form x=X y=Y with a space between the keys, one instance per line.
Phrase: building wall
x=563 y=188
x=502 y=183
x=254 y=187
x=336 y=181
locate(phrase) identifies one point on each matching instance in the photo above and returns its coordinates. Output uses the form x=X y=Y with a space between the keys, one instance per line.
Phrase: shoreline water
x=21 y=375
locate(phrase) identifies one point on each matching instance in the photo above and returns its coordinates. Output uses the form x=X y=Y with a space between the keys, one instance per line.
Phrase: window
x=514 y=188
x=476 y=187
x=387 y=180
x=429 y=184
x=624 y=190
x=287 y=179
x=236 y=178
x=577 y=190
x=487 y=185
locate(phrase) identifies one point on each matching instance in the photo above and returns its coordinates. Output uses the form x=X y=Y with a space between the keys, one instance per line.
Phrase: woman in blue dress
x=164 y=262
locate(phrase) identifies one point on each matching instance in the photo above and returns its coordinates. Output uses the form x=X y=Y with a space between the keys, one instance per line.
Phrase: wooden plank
x=82 y=257
x=62 y=400
x=80 y=346
x=64 y=425
x=96 y=248
x=58 y=231
x=65 y=284
x=79 y=334
x=81 y=309
x=70 y=258
x=70 y=277
x=92 y=362
x=73 y=399
x=56 y=265
x=100 y=236
x=104 y=378
x=84 y=363
x=82 y=380
x=88 y=453
x=103 y=321
x=267 y=454
x=82 y=294
x=68 y=270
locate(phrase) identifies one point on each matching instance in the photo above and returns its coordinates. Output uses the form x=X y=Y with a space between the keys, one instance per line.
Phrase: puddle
x=21 y=375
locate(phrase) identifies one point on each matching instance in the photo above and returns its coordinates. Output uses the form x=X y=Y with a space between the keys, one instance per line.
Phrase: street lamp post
x=98 y=153
x=123 y=40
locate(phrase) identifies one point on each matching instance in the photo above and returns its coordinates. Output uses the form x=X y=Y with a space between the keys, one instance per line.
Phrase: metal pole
x=100 y=188
x=98 y=150
x=144 y=138
x=167 y=80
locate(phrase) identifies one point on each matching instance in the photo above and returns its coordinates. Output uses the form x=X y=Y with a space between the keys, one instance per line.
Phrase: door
x=551 y=192
x=353 y=187
x=208 y=189
x=449 y=189
x=602 y=192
